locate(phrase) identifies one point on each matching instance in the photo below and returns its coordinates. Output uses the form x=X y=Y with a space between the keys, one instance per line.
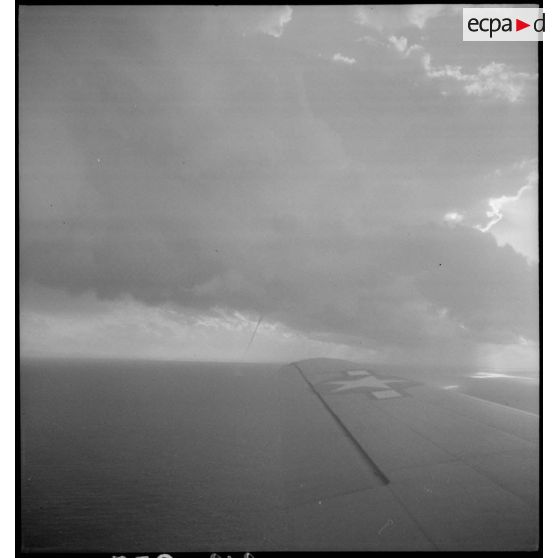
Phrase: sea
x=144 y=456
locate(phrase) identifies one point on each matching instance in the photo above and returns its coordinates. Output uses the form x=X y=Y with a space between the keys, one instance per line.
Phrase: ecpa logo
x=503 y=24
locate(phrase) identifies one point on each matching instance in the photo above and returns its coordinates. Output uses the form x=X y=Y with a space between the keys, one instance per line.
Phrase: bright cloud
x=420 y=14
x=383 y=18
x=274 y=23
x=250 y=20
x=495 y=80
x=498 y=80
x=400 y=43
x=492 y=80
x=453 y=218
x=497 y=205
x=513 y=219
x=338 y=57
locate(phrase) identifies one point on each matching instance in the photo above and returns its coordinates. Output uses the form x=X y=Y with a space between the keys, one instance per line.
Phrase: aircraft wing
x=416 y=468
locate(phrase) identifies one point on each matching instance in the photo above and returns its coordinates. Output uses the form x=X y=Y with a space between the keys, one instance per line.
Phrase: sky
x=274 y=183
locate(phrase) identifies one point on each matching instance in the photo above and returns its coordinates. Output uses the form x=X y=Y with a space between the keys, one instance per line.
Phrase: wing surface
x=437 y=470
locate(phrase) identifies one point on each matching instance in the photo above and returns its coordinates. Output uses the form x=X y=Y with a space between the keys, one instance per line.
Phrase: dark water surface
x=176 y=456
x=143 y=455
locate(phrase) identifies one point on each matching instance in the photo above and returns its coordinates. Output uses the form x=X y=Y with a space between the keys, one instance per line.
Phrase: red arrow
x=519 y=25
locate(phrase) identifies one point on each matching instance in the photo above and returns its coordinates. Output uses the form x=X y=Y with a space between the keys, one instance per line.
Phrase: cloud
x=400 y=43
x=493 y=80
x=275 y=20
x=338 y=57
x=496 y=212
x=498 y=81
x=84 y=325
x=513 y=219
x=386 y=18
x=252 y=20
x=497 y=205
x=419 y=15
x=336 y=288
x=253 y=188
x=453 y=218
